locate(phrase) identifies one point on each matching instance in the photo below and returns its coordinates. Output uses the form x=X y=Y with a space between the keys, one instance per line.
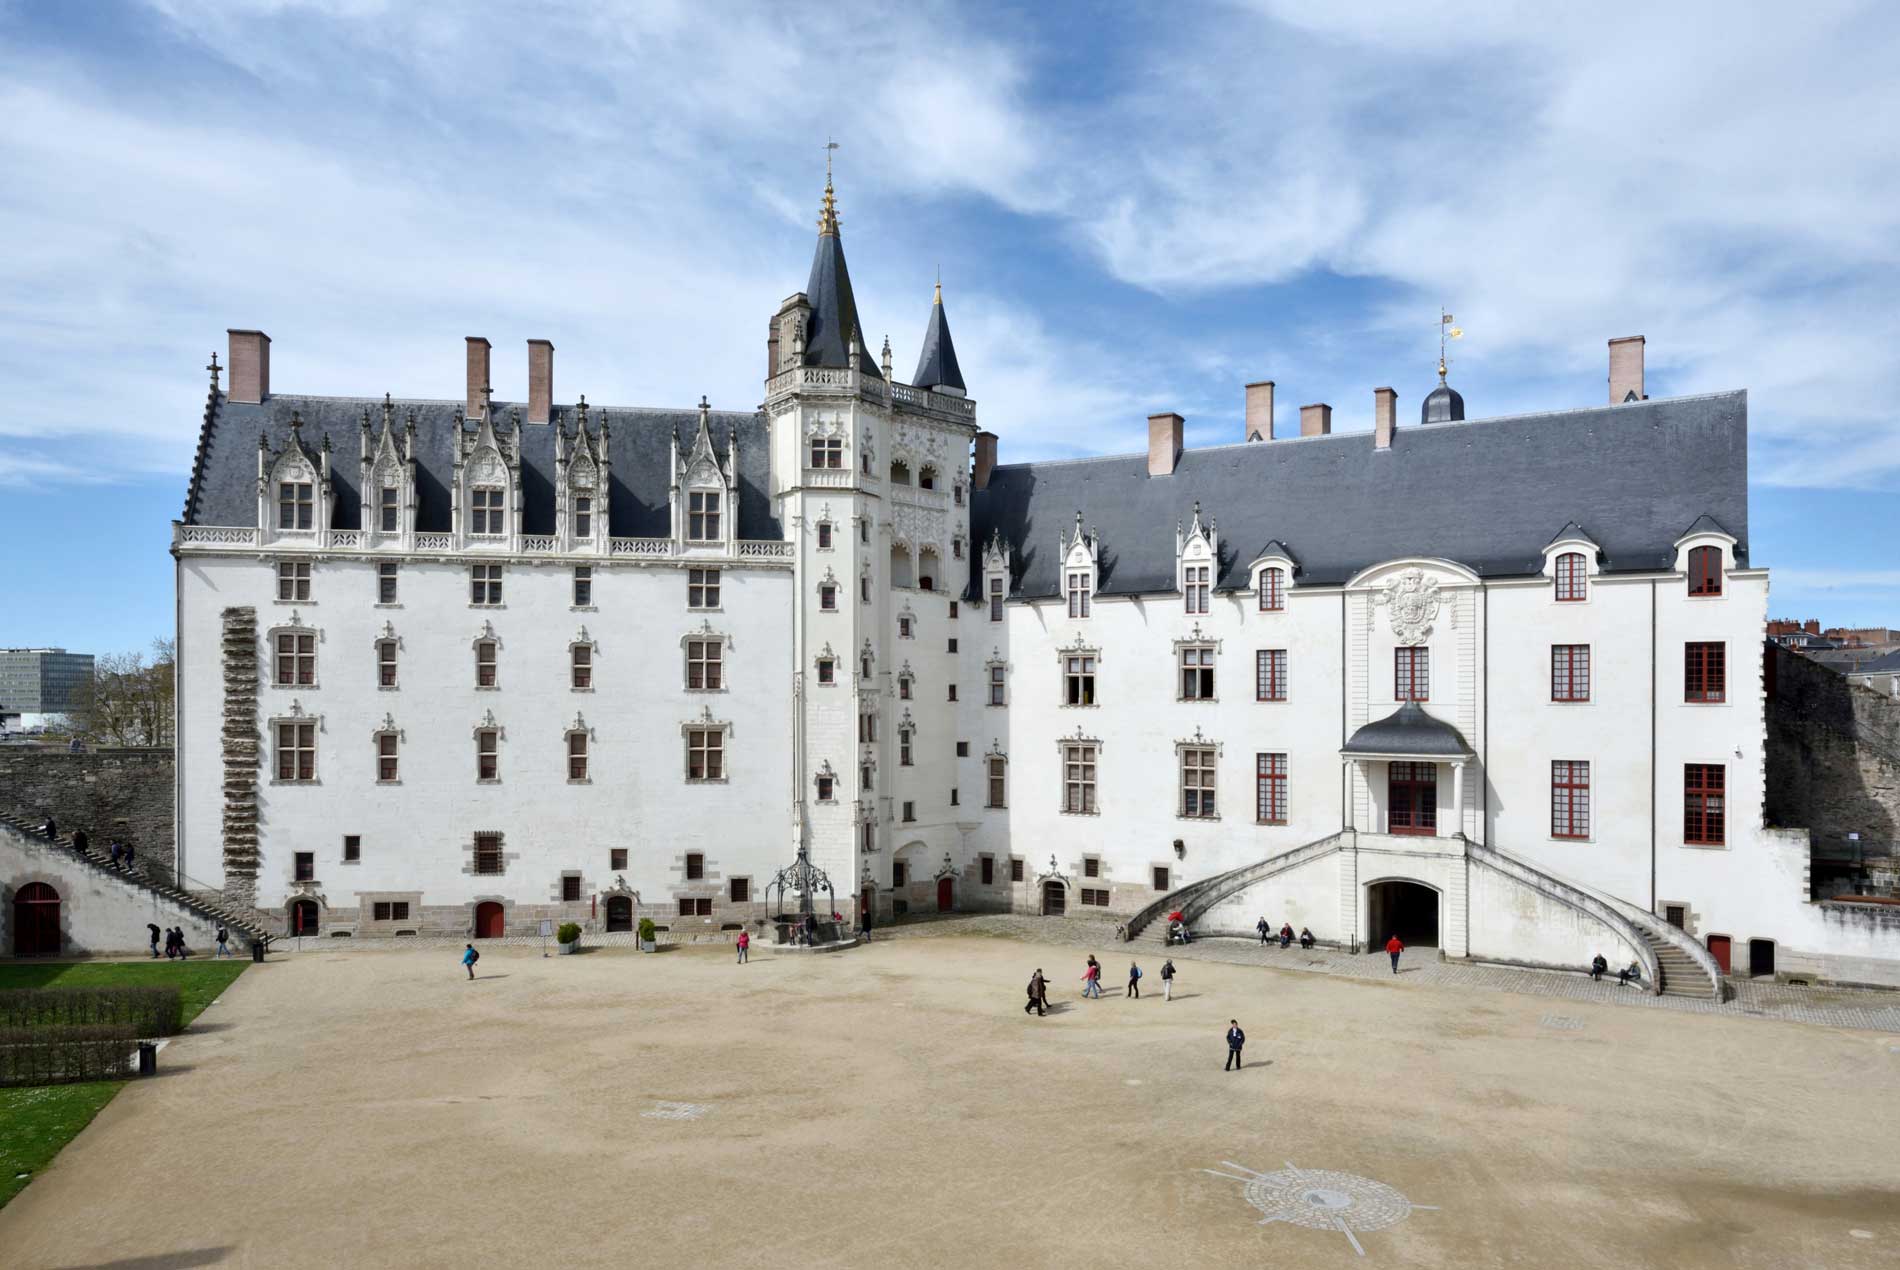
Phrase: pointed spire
x=937 y=366
x=828 y=206
x=834 y=328
x=214 y=368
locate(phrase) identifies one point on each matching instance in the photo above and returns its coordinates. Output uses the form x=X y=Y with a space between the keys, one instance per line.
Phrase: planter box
x=569 y=948
x=646 y=945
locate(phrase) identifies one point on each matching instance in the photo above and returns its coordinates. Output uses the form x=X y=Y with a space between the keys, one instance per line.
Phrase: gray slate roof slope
x=937 y=365
x=224 y=480
x=834 y=312
x=1408 y=730
x=1487 y=493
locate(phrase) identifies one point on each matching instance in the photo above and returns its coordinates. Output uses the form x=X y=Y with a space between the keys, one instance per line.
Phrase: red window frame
x=1573 y=577
x=1272 y=590
x=1705 y=571
x=1270 y=789
x=1411 y=798
x=1269 y=674
x=1411 y=674
x=1569 y=798
x=1704 y=673
x=1569 y=672
x=1704 y=804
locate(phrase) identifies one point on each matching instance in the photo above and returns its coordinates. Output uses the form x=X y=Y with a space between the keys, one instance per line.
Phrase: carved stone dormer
x=1080 y=553
x=294 y=494
x=705 y=490
x=997 y=563
x=1196 y=560
x=486 y=489
x=387 y=481
x=581 y=483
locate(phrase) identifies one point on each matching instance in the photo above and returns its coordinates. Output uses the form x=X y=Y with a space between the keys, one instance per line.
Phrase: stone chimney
x=540 y=381
x=477 y=375
x=1260 y=411
x=985 y=461
x=1164 y=443
x=1385 y=417
x=1316 y=421
x=249 y=361
x=1626 y=370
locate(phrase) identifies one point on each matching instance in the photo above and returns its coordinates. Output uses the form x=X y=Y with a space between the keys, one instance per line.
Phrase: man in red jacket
x=1394 y=947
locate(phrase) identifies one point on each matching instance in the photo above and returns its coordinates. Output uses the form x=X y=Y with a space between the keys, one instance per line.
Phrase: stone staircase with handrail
x=201 y=899
x=1149 y=924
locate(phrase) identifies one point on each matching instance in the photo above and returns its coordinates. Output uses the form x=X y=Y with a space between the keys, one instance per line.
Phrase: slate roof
x=224 y=479
x=834 y=312
x=1408 y=730
x=937 y=365
x=1487 y=493
x=1879 y=665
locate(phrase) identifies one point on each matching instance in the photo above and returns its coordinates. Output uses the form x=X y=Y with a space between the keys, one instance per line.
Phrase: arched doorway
x=1406 y=909
x=619 y=913
x=946 y=895
x=490 y=921
x=36 y=921
x=1055 y=898
x=303 y=917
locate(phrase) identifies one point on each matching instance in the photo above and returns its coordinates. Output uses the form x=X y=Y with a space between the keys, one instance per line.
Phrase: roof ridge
x=196 y=486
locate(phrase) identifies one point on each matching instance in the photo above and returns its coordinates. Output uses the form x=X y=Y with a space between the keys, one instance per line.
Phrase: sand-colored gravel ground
x=892 y=1106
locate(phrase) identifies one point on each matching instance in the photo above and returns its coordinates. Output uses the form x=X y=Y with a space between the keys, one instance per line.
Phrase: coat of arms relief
x=1411 y=599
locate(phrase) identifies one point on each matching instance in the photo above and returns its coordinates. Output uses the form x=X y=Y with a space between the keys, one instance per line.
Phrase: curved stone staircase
x=1149 y=925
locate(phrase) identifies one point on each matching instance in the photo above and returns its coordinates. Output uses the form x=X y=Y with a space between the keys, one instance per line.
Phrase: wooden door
x=619 y=913
x=36 y=921
x=1718 y=948
x=489 y=921
x=1411 y=798
x=1054 y=899
x=303 y=917
x=946 y=892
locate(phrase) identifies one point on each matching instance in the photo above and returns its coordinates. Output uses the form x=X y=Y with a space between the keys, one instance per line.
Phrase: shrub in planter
x=568 y=934
x=648 y=933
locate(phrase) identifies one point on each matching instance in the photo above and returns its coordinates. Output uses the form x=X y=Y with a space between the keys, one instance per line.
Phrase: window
x=953 y=610
x=927 y=478
x=1269 y=789
x=583 y=516
x=581 y=667
x=824 y=789
x=1269 y=674
x=306 y=866
x=952 y=696
x=1078 y=679
x=705 y=754
x=487 y=853
x=1412 y=792
x=386 y=584
x=695 y=866
x=1676 y=915
x=897 y=875
x=296 y=751
x=1197 y=672
x=996 y=599
x=904 y=683
x=487 y=754
x=352 y=848
x=963 y=749
x=1702 y=804
x=900 y=474
x=484 y=581
x=903 y=627
x=827 y=452
x=824 y=535
x=1705 y=672
x=997 y=767
x=910 y=812
x=1272 y=590
x=1194 y=587
x=1079 y=593
x=956 y=797
x=485 y=663
x=739 y=890
x=702 y=588
x=904 y=747
x=1091 y=866
x=577 y=756
x=617 y=859
x=1161 y=877
x=864 y=522
x=486 y=505
x=389 y=509
x=570 y=888
x=1569 y=672
x=864 y=667
x=296 y=659
x=828 y=597
x=1078 y=779
x=1411 y=674
x=1572 y=577
x=996 y=685
x=988 y=866
x=386 y=758
x=1197 y=781
x=868 y=836
x=1015 y=869
x=293 y=581
x=956 y=548
x=702 y=516
x=864 y=588
x=695 y=906
x=865 y=774
x=1569 y=799
x=1705 y=571
x=867 y=729
x=1094 y=897
x=583 y=586
x=826 y=670
x=704 y=667
x=294 y=506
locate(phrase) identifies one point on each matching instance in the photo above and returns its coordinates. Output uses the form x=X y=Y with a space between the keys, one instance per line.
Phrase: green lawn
x=35 y=1122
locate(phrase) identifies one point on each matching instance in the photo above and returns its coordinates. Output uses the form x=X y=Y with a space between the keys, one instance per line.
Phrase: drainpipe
x=1345 y=769
x=1652 y=745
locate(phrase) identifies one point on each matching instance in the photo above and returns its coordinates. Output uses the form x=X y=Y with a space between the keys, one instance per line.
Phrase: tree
x=131 y=702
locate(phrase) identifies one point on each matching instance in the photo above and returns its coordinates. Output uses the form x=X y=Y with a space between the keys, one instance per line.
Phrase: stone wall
x=99 y=914
x=123 y=793
x=1833 y=761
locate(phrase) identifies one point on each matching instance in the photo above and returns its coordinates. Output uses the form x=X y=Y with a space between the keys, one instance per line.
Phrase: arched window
x=1705 y=571
x=927 y=478
x=900 y=473
x=1272 y=590
x=1572 y=576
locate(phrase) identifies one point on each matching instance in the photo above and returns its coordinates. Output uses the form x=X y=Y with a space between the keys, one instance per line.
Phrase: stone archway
x=36 y=931
x=619 y=913
x=303 y=917
x=1402 y=907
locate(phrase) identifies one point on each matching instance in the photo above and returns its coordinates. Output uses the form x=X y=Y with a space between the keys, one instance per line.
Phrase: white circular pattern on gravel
x=1322 y=1199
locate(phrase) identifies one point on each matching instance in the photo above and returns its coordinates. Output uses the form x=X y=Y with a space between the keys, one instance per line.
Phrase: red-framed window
x=1569 y=672
x=1569 y=798
x=1269 y=674
x=1272 y=590
x=1572 y=576
x=1705 y=571
x=1704 y=804
x=1704 y=672
x=1411 y=798
x=1411 y=674
x=1270 y=789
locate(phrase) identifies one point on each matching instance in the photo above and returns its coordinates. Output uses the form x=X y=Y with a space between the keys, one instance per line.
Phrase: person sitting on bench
x=1306 y=938
x=1630 y=973
x=1597 y=966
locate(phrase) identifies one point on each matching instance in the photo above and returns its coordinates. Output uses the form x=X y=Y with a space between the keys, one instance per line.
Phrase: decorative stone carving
x=1411 y=600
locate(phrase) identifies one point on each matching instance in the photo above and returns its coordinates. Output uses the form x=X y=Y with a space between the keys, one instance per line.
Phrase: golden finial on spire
x=939 y=299
x=1445 y=331
x=828 y=214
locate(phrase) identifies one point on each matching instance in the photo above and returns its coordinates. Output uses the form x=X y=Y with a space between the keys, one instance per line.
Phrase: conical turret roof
x=834 y=310
x=937 y=366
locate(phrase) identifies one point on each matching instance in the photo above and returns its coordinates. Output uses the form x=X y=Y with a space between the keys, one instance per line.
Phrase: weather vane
x=1446 y=331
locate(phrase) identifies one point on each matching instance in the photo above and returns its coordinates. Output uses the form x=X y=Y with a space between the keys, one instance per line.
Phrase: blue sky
x=1135 y=208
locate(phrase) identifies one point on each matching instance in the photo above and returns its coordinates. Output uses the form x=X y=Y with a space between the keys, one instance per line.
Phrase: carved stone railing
x=435 y=542
x=935 y=500
x=766 y=549
x=540 y=543
x=214 y=536
x=346 y=538
x=923 y=397
x=811 y=377
x=829 y=478
x=655 y=548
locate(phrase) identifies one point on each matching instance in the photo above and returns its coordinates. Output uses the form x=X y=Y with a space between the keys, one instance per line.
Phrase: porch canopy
x=1408 y=733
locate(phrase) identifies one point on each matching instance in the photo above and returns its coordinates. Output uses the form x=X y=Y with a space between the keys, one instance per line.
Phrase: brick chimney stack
x=1316 y=421
x=1260 y=411
x=1385 y=417
x=985 y=461
x=477 y=375
x=1626 y=370
x=1164 y=443
x=249 y=362
x=540 y=381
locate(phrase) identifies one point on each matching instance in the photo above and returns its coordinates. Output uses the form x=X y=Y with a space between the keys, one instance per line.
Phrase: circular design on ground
x=1322 y=1199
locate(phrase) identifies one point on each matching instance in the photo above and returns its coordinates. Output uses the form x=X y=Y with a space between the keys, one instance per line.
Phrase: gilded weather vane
x=1446 y=331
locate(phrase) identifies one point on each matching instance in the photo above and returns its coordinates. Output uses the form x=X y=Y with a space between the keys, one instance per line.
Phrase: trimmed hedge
x=146 y=1011
x=61 y=1055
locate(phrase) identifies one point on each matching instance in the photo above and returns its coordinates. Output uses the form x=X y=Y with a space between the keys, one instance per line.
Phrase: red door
x=488 y=921
x=1411 y=798
x=1718 y=948
x=36 y=921
x=303 y=917
x=946 y=892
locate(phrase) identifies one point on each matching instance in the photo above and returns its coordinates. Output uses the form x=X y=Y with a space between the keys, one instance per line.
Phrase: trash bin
x=257 y=950
x=148 y=1058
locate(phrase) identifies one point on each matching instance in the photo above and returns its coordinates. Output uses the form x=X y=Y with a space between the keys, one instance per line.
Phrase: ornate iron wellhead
x=807 y=879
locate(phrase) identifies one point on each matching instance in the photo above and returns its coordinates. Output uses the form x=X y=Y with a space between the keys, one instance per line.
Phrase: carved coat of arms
x=1411 y=599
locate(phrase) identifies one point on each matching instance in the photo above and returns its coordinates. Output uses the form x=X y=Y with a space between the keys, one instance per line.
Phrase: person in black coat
x=81 y=841
x=1235 y=1039
x=153 y=927
x=52 y=830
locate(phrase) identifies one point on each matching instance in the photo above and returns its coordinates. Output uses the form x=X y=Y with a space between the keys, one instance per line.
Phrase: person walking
x=128 y=855
x=80 y=841
x=469 y=958
x=1134 y=982
x=52 y=829
x=224 y=947
x=1235 y=1039
x=118 y=853
x=1167 y=979
x=745 y=942
x=1092 y=978
x=1394 y=948
x=864 y=925
x=1038 y=994
x=184 y=953
x=1263 y=928
x=153 y=928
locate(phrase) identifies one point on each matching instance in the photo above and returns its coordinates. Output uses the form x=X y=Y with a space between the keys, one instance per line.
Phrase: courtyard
x=892 y=1105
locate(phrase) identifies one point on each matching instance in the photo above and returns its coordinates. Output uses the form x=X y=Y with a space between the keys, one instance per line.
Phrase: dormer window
x=827 y=452
x=296 y=507
x=485 y=518
x=1705 y=571
x=583 y=516
x=1194 y=587
x=996 y=599
x=1080 y=589
x=702 y=516
x=1272 y=590
x=389 y=509
x=1573 y=574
